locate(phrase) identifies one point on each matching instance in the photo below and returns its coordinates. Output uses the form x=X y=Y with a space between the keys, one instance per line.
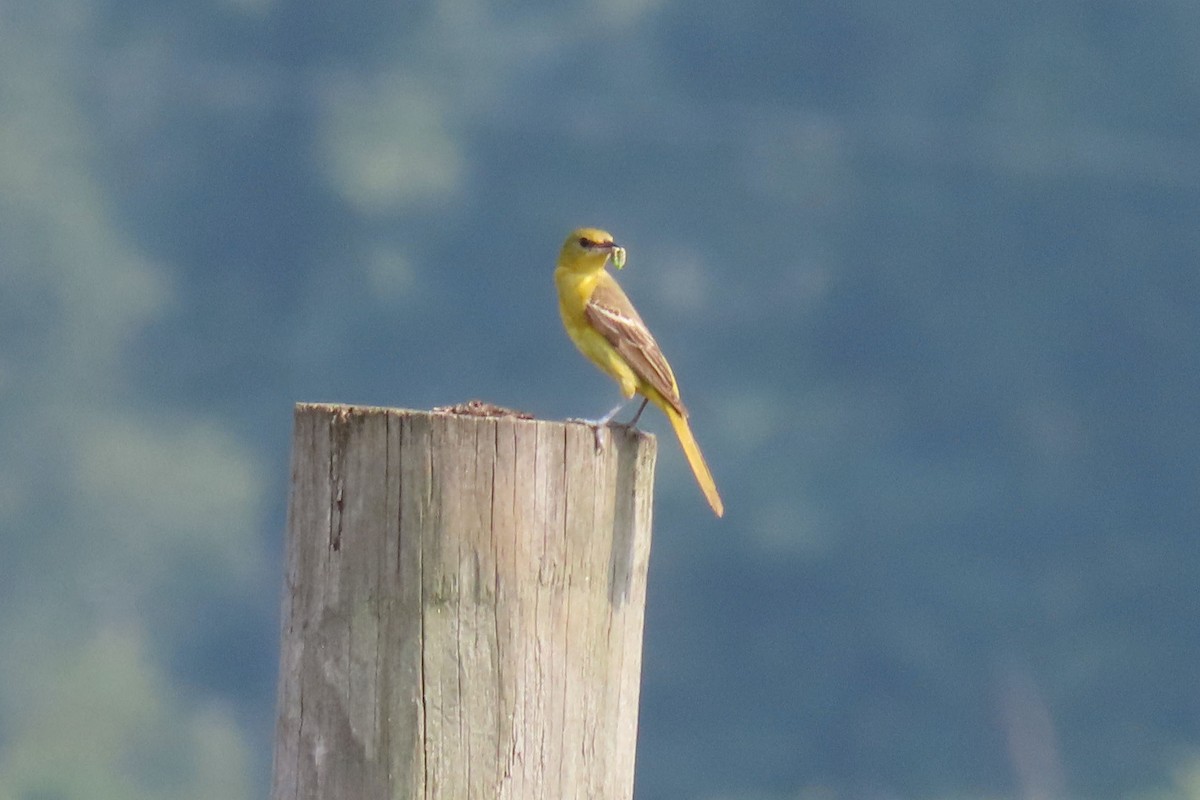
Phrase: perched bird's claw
x=601 y=432
x=628 y=427
x=600 y=426
x=599 y=429
x=625 y=426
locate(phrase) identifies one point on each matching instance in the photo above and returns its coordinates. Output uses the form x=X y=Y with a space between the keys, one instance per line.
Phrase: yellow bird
x=606 y=328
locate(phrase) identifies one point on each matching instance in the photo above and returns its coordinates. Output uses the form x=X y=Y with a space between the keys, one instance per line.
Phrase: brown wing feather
x=610 y=312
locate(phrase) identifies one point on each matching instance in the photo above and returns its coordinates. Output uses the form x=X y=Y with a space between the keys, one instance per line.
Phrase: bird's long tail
x=696 y=460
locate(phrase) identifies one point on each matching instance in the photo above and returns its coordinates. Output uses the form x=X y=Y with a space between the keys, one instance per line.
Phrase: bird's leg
x=638 y=415
x=633 y=422
x=625 y=425
x=599 y=426
x=607 y=418
x=602 y=425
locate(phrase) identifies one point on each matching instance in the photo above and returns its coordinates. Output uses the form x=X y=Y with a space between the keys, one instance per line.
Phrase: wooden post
x=463 y=611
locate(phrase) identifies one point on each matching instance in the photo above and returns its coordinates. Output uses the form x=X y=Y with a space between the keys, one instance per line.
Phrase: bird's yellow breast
x=574 y=291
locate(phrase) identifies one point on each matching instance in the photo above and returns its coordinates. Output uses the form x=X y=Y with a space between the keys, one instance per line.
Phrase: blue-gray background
x=927 y=272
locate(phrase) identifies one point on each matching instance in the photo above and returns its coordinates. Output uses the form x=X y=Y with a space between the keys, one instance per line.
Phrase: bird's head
x=588 y=248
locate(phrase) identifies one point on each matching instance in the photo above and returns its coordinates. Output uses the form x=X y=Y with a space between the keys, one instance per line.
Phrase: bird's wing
x=614 y=317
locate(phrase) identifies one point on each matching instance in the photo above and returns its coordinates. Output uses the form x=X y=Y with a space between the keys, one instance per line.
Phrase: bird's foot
x=600 y=426
x=599 y=429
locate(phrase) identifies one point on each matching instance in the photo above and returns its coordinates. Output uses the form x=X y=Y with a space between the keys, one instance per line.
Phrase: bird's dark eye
x=585 y=243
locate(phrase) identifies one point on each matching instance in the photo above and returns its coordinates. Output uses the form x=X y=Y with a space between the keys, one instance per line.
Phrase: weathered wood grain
x=463 y=610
